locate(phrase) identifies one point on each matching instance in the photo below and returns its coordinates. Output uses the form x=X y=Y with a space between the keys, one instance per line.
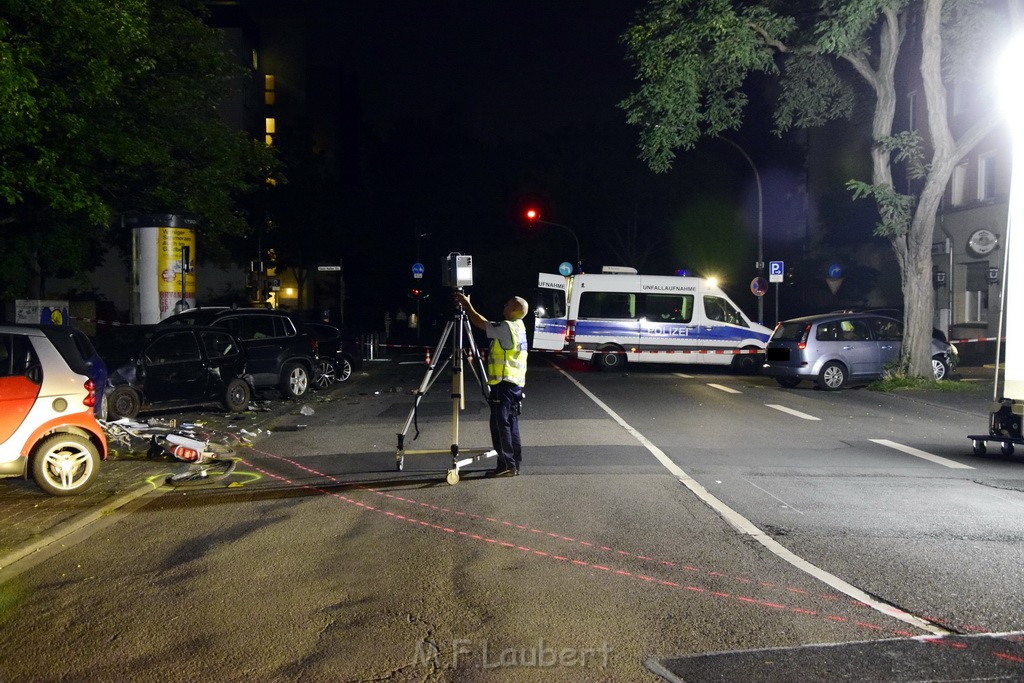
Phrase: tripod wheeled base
x=476 y=455
x=463 y=347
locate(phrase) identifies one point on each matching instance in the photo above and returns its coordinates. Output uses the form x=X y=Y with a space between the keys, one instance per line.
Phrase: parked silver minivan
x=834 y=349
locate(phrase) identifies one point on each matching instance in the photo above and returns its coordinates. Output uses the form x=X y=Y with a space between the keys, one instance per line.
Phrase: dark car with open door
x=155 y=367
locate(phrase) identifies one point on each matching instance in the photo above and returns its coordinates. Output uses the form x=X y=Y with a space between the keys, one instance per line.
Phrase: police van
x=617 y=316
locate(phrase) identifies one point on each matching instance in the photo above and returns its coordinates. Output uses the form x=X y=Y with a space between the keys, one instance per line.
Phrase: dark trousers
x=505 y=404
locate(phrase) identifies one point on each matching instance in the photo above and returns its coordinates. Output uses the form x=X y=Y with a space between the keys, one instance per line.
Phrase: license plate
x=778 y=355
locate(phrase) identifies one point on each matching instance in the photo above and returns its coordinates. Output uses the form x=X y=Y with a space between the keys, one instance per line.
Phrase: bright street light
x=1012 y=100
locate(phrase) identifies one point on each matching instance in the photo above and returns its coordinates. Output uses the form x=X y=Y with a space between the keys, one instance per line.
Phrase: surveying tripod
x=458 y=330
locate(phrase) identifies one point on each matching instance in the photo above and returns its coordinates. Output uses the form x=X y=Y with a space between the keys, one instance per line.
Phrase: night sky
x=469 y=111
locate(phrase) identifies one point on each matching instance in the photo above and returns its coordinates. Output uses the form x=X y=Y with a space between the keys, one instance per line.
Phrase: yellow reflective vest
x=509 y=365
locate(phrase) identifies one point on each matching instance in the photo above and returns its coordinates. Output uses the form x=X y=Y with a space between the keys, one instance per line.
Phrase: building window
x=976 y=295
x=958 y=185
x=987 y=176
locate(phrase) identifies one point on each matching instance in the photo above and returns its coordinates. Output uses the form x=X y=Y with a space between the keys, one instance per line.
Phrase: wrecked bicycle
x=207 y=458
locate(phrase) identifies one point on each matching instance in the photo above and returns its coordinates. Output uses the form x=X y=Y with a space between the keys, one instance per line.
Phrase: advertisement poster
x=176 y=248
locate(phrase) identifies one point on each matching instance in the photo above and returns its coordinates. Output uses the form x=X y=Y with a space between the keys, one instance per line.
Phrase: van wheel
x=123 y=402
x=64 y=464
x=294 y=380
x=236 y=397
x=610 y=358
x=832 y=376
x=940 y=368
x=748 y=362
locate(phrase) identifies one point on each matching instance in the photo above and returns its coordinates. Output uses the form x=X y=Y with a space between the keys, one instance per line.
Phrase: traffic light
x=417 y=293
x=532 y=215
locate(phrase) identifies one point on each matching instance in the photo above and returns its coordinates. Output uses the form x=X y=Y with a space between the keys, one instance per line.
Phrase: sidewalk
x=31 y=519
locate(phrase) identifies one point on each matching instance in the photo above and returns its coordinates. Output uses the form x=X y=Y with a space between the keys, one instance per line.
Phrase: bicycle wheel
x=199 y=474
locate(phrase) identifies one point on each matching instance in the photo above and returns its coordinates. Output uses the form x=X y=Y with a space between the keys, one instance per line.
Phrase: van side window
x=721 y=310
x=607 y=305
x=668 y=308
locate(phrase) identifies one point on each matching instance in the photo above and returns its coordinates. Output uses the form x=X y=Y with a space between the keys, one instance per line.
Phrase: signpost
x=776 y=274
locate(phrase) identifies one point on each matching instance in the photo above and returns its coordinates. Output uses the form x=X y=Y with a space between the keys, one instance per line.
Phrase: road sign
x=776 y=271
x=565 y=268
x=417 y=270
x=328 y=269
x=835 y=271
x=758 y=286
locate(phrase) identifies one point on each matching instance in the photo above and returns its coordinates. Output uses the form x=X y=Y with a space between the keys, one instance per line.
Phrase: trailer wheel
x=979 y=447
x=1007 y=449
x=610 y=358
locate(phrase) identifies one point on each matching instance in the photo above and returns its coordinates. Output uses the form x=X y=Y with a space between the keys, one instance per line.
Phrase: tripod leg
x=423 y=389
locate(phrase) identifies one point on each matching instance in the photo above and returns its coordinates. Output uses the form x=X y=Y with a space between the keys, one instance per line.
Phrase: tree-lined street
x=632 y=536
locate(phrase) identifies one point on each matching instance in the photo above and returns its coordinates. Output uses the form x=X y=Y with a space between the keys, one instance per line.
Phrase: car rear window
x=16 y=355
x=73 y=345
x=789 y=332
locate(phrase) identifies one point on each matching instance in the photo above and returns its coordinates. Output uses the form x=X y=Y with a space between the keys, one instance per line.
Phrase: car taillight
x=90 y=398
x=803 y=337
x=316 y=346
x=570 y=331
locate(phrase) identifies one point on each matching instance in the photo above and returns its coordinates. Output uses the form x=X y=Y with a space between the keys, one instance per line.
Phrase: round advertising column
x=163 y=266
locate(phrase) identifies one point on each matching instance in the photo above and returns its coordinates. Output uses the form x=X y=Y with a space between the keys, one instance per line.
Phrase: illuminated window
x=255 y=61
x=959 y=185
x=269 y=139
x=268 y=82
x=268 y=97
x=271 y=126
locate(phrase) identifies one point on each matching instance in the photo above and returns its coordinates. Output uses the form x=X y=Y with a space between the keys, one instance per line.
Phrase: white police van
x=618 y=316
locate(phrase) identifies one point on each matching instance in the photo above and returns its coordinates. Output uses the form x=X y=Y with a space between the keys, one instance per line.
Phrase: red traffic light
x=532 y=214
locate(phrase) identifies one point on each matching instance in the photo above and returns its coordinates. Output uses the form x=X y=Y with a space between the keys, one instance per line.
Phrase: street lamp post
x=759 y=266
x=534 y=217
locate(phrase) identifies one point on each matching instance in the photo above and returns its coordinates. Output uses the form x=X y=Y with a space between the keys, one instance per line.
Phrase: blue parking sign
x=776 y=271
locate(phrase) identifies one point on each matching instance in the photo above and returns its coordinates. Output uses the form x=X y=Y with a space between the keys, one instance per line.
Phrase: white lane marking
x=684 y=376
x=909 y=450
x=722 y=387
x=745 y=526
x=797 y=413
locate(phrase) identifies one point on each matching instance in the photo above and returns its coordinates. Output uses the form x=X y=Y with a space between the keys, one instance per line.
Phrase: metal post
x=759 y=266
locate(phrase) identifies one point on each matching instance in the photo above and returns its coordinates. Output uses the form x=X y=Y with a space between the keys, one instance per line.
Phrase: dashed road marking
x=790 y=411
x=917 y=453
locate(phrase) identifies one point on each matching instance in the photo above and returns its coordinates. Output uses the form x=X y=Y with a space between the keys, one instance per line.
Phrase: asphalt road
x=670 y=523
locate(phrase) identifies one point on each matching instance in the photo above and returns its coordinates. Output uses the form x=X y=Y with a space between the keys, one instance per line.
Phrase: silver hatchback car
x=834 y=349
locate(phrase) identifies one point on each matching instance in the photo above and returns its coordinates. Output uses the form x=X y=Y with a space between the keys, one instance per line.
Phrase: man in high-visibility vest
x=506 y=376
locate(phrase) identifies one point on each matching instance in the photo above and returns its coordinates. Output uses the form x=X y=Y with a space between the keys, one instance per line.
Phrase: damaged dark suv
x=153 y=367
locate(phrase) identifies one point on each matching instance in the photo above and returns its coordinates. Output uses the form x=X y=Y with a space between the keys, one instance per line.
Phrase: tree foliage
x=106 y=107
x=693 y=58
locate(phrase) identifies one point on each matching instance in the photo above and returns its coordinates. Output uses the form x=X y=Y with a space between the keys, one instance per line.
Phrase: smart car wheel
x=123 y=402
x=325 y=373
x=237 y=395
x=610 y=358
x=940 y=368
x=294 y=380
x=832 y=376
x=63 y=464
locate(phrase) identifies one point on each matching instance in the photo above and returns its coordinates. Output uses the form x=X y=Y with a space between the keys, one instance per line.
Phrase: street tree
x=107 y=107
x=694 y=57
